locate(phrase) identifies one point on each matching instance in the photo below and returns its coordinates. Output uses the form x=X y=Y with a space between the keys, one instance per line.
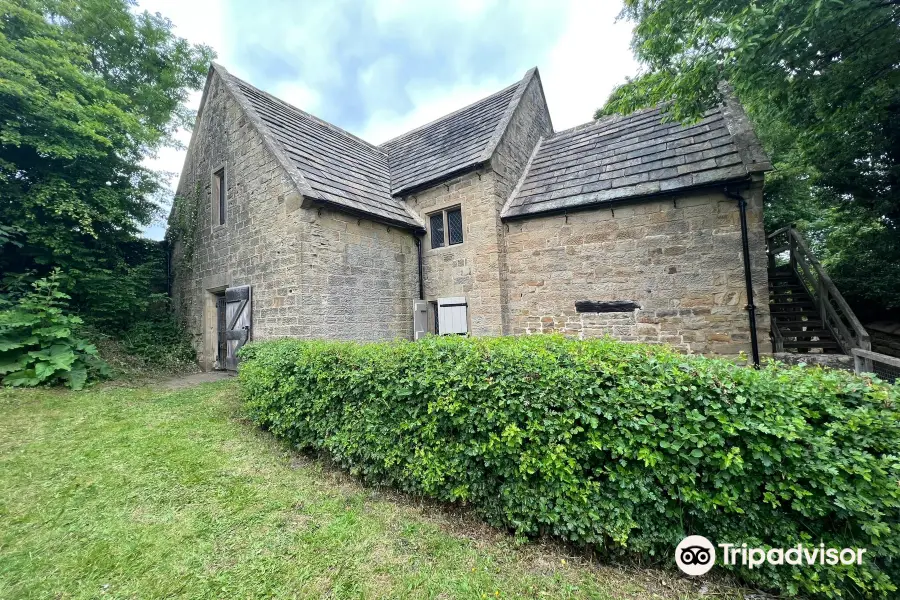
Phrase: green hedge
x=625 y=447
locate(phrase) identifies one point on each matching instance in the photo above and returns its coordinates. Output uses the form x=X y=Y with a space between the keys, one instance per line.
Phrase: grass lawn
x=147 y=493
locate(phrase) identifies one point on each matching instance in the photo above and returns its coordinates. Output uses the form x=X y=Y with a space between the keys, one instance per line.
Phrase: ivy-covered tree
x=88 y=90
x=820 y=80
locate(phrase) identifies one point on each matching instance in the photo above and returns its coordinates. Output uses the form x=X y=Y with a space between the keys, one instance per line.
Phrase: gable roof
x=453 y=144
x=327 y=163
x=622 y=157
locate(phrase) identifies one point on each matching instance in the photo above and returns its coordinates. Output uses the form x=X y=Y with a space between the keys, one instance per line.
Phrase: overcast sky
x=378 y=68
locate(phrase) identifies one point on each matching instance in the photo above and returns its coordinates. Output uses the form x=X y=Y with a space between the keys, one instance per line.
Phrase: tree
x=820 y=80
x=89 y=89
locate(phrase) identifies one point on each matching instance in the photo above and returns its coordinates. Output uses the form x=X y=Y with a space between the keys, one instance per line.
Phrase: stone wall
x=530 y=122
x=476 y=269
x=319 y=273
x=468 y=269
x=314 y=272
x=678 y=257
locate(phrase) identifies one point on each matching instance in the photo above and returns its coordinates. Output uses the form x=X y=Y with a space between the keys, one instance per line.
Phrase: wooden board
x=238 y=311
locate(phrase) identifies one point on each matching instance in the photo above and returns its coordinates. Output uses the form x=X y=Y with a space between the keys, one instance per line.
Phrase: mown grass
x=148 y=493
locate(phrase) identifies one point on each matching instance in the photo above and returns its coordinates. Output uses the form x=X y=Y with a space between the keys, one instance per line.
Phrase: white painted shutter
x=420 y=318
x=452 y=315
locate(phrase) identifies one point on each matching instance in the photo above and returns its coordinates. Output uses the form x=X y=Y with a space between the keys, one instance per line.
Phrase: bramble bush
x=39 y=344
x=625 y=447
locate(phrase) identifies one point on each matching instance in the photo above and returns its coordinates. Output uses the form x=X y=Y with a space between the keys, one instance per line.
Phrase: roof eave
x=415 y=226
x=745 y=179
x=437 y=180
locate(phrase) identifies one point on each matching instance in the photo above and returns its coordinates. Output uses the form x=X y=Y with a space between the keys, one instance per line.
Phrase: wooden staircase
x=795 y=315
x=808 y=312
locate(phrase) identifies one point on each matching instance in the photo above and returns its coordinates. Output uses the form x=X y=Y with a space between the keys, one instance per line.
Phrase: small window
x=454 y=226
x=446 y=228
x=437 y=230
x=219 y=195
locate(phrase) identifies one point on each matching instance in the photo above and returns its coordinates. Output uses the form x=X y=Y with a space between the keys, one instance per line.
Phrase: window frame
x=219 y=196
x=443 y=213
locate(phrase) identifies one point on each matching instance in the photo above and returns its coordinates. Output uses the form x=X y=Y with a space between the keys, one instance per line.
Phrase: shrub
x=161 y=342
x=625 y=447
x=38 y=341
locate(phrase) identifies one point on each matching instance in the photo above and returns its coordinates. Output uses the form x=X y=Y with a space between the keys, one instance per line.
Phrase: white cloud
x=591 y=57
x=199 y=22
x=579 y=68
x=429 y=105
x=298 y=95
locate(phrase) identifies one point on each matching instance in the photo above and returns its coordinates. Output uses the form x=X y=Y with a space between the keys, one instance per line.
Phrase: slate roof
x=618 y=158
x=613 y=159
x=330 y=164
x=454 y=143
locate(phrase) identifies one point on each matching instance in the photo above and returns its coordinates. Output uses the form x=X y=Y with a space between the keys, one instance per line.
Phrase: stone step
x=793 y=304
x=811 y=344
x=786 y=286
x=788 y=323
x=809 y=333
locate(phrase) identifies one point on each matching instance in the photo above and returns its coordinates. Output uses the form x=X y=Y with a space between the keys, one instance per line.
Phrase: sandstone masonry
x=330 y=253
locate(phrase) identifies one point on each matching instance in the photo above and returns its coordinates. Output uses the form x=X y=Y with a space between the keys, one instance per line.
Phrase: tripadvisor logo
x=696 y=555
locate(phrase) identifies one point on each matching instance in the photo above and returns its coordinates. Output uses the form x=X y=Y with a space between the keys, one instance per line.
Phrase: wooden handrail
x=821 y=288
x=778 y=232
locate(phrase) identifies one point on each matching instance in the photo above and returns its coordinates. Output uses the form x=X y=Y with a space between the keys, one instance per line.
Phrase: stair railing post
x=823 y=300
x=793 y=249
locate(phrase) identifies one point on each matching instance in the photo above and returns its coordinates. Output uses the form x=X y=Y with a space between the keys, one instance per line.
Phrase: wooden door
x=221 y=328
x=238 y=310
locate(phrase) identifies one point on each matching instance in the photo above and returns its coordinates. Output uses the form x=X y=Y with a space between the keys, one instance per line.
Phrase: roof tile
x=636 y=155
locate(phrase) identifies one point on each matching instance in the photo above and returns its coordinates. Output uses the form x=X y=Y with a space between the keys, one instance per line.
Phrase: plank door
x=238 y=309
x=452 y=317
x=221 y=328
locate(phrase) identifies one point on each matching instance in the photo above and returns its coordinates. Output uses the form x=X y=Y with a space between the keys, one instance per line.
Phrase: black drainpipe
x=748 y=278
x=421 y=270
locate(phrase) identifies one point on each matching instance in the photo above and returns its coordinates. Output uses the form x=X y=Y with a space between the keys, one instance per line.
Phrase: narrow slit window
x=219 y=178
x=454 y=226
x=437 y=230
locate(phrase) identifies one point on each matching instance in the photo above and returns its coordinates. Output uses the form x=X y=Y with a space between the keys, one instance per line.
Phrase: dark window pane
x=437 y=230
x=437 y=325
x=454 y=226
x=220 y=183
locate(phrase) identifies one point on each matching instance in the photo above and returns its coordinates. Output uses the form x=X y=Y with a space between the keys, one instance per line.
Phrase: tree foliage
x=89 y=90
x=820 y=80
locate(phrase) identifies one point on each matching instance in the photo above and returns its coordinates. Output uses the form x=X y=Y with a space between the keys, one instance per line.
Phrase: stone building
x=485 y=221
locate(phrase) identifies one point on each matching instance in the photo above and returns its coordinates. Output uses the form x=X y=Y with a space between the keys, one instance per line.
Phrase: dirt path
x=186 y=381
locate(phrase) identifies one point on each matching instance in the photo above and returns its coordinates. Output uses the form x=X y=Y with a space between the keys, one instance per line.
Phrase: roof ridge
x=448 y=115
x=503 y=123
x=264 y=132
x=602 y=121
x=322 y=122
x=751 y=152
